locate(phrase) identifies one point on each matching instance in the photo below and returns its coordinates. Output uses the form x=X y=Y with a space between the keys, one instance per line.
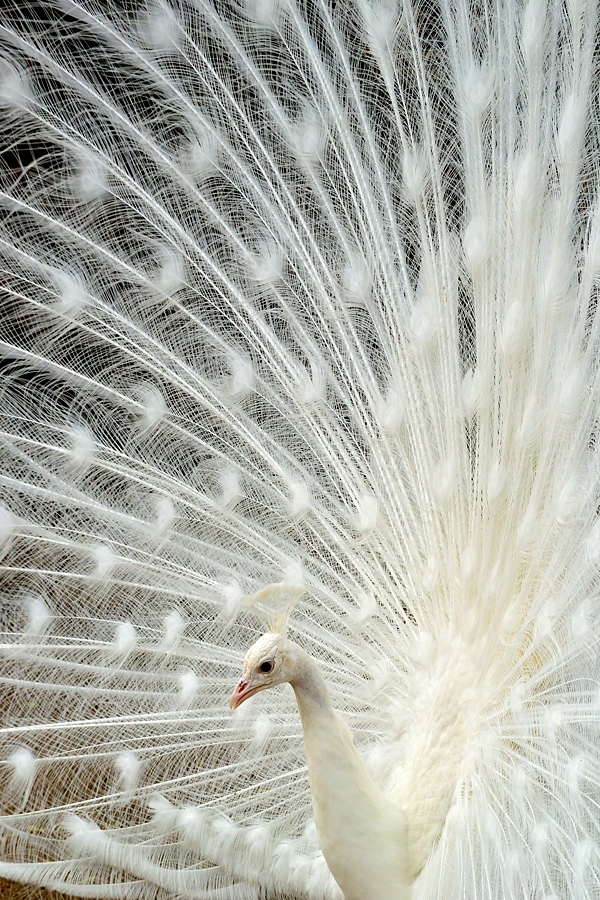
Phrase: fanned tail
x=299 y=294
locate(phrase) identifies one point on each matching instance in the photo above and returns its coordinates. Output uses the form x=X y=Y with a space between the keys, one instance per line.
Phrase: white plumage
x=364 y=836
x=300 y=293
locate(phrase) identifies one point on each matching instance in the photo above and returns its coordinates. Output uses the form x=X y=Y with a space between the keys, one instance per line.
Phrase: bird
x=299 y=390
x=363 y=835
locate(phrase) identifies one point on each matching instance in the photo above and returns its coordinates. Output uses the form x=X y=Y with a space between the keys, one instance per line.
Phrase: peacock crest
x=274 y=604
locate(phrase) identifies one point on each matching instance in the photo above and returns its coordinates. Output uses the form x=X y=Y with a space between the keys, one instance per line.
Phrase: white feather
x=300 y=293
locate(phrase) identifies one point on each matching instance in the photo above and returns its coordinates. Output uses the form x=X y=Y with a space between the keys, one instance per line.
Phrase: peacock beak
x=241 y=692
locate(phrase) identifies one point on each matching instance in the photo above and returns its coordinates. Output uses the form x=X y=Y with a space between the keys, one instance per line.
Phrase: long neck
x=363 y=835
x=312 y=695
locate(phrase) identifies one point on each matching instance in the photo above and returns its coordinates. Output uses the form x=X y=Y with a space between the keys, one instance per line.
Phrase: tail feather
x=299 y=293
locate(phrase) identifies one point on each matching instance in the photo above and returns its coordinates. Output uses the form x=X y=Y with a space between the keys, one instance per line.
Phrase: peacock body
x=305 y=295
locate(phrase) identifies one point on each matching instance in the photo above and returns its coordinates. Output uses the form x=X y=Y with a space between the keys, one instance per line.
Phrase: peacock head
x=268 y=662
x=273 y=658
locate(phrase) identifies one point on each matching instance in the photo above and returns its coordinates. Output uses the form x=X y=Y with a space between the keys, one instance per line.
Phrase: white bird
x=300 y=304
x=363 y=835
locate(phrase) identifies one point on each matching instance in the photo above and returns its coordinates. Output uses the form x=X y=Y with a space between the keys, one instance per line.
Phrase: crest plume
x=274 y=604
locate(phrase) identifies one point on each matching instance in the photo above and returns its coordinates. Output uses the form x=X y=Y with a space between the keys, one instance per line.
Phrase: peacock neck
x=312 y=695
x=363 y=835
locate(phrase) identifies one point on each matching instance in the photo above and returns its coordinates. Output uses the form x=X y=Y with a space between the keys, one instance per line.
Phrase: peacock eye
x=266 y=666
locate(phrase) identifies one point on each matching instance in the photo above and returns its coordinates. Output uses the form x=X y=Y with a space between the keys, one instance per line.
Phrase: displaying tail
x=299 y=293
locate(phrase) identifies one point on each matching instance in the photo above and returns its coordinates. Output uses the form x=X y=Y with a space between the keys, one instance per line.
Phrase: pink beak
x=240 y=693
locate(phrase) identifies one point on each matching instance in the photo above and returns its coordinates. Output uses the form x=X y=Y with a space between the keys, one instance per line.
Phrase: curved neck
x=363 y=835
x=312 y=694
